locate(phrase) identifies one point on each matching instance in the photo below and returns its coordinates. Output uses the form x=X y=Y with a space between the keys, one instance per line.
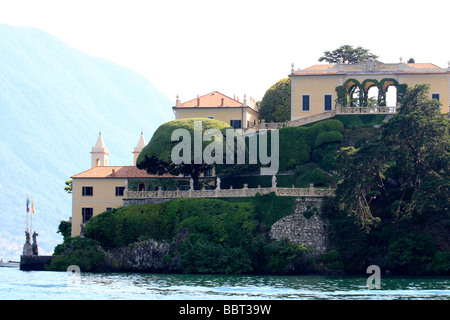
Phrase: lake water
x=43 y=285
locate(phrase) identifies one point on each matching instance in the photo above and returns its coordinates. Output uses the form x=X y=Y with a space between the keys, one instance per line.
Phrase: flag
x=28 y=204
x=32 y=205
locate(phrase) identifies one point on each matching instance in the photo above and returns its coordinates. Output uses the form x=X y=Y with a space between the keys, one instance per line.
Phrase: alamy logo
x=235 y=147
x=374 y=281
x=74 y=272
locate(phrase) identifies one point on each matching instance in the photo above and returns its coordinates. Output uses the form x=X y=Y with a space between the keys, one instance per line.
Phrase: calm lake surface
x=32 y=285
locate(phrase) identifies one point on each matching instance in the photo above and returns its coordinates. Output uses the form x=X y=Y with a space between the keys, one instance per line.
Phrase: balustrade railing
x=225 y=193
x=366 y=110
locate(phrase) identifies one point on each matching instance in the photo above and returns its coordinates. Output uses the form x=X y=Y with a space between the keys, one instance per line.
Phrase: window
x=86 y=214
x=119 y=191
x=305 y=103
x=435 y=96
x=210 y=117
x=327 y=105
x=87 y=191
x=236 y=124
x=108 y=208
x=208 y=172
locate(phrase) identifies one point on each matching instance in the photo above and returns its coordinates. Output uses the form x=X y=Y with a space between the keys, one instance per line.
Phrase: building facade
x=103 y=187
x=322 y=88
x=216 y=105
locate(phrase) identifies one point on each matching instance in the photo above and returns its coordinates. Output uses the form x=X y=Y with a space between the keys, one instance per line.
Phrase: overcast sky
x=191 y=47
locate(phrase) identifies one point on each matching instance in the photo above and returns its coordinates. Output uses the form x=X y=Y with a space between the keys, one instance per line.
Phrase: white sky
x=194 y=47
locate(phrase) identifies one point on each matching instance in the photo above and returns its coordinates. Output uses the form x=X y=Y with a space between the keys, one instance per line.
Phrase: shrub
x=441 y=263
x=202 y=256
x=83 y=252
x=327 y=137
x=318 y=177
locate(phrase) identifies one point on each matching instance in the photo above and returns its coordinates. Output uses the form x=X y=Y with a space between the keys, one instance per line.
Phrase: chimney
x=113 y=172
x=221 y=102
x=178 y=102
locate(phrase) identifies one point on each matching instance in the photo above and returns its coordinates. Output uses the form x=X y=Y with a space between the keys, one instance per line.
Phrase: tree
x=276 y=103
x=68 y=187
x=348 y=54
x=404 y=169
x=362 y=171
x=156 y=157
x=419 y=140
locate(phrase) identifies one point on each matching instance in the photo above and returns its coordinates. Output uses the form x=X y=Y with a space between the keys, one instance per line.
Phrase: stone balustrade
x=229 y=193
x=366 y=110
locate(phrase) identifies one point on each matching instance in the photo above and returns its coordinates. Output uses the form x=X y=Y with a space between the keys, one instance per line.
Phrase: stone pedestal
x=27 y=248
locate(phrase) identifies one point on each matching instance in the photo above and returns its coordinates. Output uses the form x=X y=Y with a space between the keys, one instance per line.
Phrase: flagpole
x=32 y=212
x=27 y=213
x=31 y=217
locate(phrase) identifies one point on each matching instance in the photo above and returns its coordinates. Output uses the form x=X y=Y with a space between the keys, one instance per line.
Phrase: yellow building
x=322 y=88
x=216 y=105
x=102 y=187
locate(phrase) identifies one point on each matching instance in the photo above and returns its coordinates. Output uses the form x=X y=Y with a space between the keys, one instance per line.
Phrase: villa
x=317 y=92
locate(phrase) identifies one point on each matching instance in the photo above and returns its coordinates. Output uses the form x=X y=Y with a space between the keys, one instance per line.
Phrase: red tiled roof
x=423 y=65
x=411 y=68
x=211 y=100
x=319 y=67
x=118 y=172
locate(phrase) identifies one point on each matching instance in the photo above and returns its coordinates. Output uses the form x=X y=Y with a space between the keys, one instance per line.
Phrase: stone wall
x=305 y=226
x=35 y=263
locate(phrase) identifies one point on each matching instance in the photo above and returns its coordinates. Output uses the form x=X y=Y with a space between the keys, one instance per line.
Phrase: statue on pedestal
x=218 y=183
x=34 y=246
x=274 y=181
x=27 y=249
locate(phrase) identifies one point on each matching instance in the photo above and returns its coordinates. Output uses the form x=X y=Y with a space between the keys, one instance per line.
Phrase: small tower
x=99 y=153
x=137 y=150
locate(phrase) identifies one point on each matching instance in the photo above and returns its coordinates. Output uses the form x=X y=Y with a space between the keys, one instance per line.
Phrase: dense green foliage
x=222 y=236
x=82 y=252
x=276 y=103
x=392 y=205
x=156 y=157
x=65 y=228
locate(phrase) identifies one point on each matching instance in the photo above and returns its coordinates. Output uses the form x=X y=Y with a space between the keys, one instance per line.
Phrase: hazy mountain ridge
x=54 y=100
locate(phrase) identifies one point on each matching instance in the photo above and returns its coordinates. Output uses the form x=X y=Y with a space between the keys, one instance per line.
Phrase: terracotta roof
x=320 y=67
x=118 y=172
x=211 y=100
x=423 y=65
x=409 y=68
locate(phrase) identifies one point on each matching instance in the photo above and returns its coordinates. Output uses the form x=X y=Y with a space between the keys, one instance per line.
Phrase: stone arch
x=384 y=85
x=366 y=86
x=141 y=186
x=353 y=93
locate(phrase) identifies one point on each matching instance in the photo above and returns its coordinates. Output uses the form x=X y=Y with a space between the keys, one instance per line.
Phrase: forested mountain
x=54 y=99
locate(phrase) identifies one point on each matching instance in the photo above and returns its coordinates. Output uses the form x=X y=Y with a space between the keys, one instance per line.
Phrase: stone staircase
x=310 y=119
